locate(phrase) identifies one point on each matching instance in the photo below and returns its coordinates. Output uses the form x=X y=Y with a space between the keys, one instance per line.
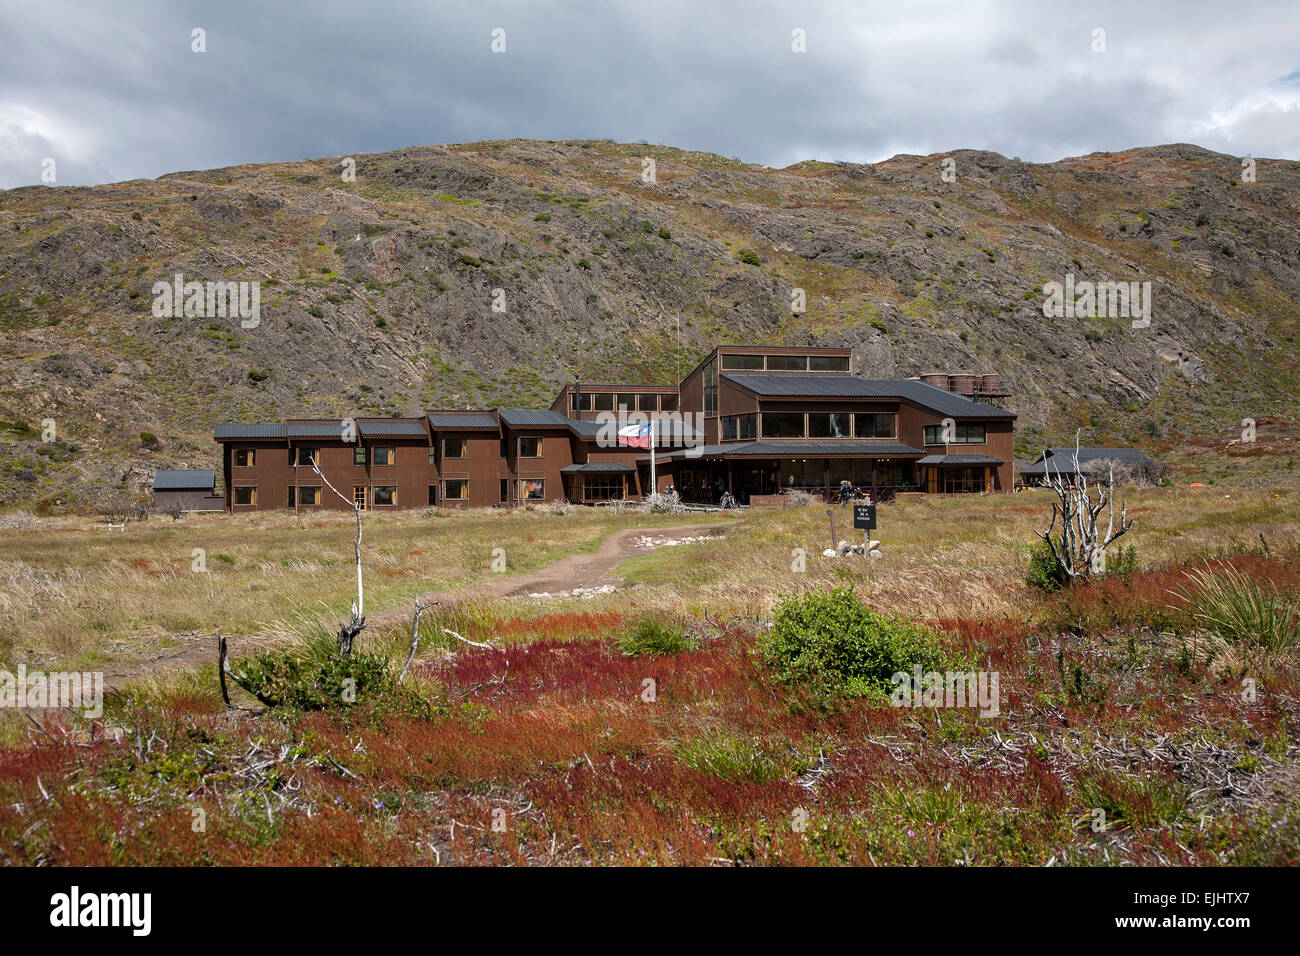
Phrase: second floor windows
x=962 y=434
x=828 y=425
x=306 y=457
x=455 y=448
x=385 y=456
x=875 y=426
x=244 y=457
x=530 y=447
x=783 y=425
x=740 y=428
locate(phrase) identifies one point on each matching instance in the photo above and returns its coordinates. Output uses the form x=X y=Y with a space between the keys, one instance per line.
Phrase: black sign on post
x=864 y=516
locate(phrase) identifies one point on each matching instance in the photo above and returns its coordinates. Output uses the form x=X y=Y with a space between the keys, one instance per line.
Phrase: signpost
x=864 y=517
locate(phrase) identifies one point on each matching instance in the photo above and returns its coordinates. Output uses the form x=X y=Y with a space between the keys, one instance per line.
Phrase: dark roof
x=586 y=428
x=525 y=417
x=229 y=430
x=801 y=449
x=596 y=466
x=394 y=428
x=177 y=479
x=314 y=429
x=667 y=428
x=450 y=420
x=850 y=386
x=959 y=460
x=1061 y=460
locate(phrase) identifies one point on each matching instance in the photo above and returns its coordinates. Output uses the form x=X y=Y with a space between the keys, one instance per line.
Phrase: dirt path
x=575 y=571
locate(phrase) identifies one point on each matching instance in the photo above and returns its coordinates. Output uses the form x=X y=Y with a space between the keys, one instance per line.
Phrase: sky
x=112 y=91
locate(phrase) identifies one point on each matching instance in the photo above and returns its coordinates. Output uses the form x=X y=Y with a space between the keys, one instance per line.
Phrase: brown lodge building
x=755 y=421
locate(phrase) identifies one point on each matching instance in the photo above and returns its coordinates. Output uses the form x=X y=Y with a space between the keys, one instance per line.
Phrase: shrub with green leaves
x=833 y=643
x=309 y=683
x=655 y=637
x=1043 y=572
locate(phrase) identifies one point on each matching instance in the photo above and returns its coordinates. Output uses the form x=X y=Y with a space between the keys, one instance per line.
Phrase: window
x=385 y=496
x=505 y=490
x=433 y=495
x=359 y=496
x=867 y=425
x=626 y=401
x=532 y=489
x=711 y=389
x=359 y=455
x=602 y=487
x=455 y=489
x=962 y=434
x=828 y=363
x=245 y=495
x=310 y=495
x=602 y=402
x=581 y=401
x=454 y=448
x=668 y=403
x=433 y=455
x=953 y=481
x=291 y=496
x=740 y=428
x=385 y=456
x=648 y=403
x=307 y=456
x=244 y=457
x=737 y=362
x=787 y=363
x=530 y=448
x=828 y=425
x=782 y=425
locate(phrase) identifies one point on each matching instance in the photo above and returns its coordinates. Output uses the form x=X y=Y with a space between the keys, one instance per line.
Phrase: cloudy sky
x=114 y=90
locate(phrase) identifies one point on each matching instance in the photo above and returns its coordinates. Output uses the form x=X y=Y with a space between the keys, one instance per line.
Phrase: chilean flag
x=635 y=436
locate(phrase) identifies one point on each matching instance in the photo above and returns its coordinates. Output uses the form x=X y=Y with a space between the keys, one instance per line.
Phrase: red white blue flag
x=635 y=436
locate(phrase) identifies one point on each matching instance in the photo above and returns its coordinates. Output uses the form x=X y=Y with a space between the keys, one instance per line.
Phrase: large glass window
x=962 y=434
x=385 y=456
x=309 y=495
x=828 y=363
x=455 y=489
x=828 y=425
x=530 y=447
x=711 y=389
x=602 y=487
x=306 y=456
x=532 y=489
x=385 y=496
x=626 y=401
x=245 y=495
x=668 y=403
x=783 y=425
x=244 y=457
x=881 y=425
x=603 y=401
x=648 y=402
x=581 y=401
x=740 y=428
x=787 y=363
x=455 y=448
x=739 y=362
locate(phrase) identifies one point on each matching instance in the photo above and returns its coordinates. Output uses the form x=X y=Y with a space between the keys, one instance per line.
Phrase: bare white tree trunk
x=349 y=631
x=1080 y=549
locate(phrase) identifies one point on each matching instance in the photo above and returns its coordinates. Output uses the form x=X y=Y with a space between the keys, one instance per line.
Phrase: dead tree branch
x=415 y=635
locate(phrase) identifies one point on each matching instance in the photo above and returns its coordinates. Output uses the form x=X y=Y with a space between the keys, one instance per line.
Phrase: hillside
x=377 y=294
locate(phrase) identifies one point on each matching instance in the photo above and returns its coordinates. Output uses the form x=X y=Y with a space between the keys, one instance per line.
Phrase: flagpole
x=654 y=488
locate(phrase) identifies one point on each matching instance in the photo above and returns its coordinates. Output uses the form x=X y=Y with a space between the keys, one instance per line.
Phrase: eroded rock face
x=389 y=282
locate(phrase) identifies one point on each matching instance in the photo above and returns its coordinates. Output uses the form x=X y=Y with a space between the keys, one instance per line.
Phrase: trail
x=573 y=571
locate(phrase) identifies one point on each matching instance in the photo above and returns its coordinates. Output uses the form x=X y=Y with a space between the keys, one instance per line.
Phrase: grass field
x=650 y=724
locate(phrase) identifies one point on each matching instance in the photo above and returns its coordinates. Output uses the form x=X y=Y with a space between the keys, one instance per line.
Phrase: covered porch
x=959 y=474
x=596 y=481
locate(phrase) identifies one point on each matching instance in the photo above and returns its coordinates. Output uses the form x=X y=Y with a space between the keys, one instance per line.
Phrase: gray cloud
x=114 y=92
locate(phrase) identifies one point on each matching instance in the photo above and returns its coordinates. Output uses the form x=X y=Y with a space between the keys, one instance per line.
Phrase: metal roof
x=850 y=386
x=959 y=460
x=585 y=428
x=801 y=449
x=452 y=420
x=332 y=429
x=393 y=428
x=596 y=466
x=525 y=417
x=179 y=479
x=229 y=430
x=1061 y=460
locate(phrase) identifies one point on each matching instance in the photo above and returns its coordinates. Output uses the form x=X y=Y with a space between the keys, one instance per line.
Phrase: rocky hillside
x=377 y=294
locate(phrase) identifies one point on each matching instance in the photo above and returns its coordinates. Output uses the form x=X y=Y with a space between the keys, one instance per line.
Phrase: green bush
x=654 y=637
x=749 y=257
x=1043 y=571
x=308 y=683
x=834 y=644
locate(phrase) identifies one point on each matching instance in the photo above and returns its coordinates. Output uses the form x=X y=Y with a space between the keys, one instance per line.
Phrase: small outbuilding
x=188 y=489
x=1131 y=465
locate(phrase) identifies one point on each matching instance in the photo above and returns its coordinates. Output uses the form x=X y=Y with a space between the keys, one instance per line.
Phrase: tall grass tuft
x=1242 y=611
x=655 y=637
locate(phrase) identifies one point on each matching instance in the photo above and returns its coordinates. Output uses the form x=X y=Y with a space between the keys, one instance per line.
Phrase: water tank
x=937 y=379
x=962 y=383
x=991 y=384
